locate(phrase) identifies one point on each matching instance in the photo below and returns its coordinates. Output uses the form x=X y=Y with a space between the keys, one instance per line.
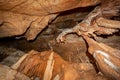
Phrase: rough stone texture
x=28 y=18
x=43 y=7
x=6 y=73
x=12 y=24
x=36 y=63
x=106 y=57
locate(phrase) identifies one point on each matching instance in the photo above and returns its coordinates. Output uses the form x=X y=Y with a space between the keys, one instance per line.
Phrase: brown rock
x=6 y=73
